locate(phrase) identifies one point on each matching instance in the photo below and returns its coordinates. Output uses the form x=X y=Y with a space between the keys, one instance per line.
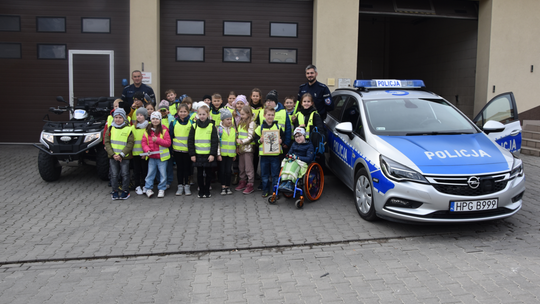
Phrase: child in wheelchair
x=296 y=162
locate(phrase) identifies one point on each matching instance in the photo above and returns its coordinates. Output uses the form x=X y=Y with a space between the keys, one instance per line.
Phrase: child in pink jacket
x=156 y=139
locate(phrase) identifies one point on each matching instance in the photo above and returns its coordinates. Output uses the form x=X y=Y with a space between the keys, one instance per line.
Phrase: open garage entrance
x=437 y=44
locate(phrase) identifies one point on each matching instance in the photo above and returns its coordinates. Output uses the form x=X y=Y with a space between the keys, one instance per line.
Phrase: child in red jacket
x=156 y=142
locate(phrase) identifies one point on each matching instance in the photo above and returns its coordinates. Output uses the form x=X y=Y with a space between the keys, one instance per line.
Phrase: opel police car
x=409 y=155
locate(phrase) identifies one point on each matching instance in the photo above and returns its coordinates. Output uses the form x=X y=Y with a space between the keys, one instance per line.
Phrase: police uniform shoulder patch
x=328 y=101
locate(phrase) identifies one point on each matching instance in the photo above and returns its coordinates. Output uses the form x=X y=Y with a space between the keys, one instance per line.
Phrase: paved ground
x=63 y=242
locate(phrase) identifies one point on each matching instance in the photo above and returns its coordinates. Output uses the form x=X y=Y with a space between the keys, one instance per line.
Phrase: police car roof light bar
x=389 y=83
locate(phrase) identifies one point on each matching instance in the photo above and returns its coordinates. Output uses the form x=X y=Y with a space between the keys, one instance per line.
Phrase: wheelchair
x=309 y=186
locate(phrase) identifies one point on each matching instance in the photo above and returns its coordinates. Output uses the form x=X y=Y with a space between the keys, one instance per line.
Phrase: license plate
x=465 y=206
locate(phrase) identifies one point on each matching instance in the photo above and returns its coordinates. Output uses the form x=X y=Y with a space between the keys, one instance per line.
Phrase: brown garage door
x=231 y=42
x=49 y=29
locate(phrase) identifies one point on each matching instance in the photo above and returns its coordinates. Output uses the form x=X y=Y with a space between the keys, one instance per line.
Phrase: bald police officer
x=137 y=86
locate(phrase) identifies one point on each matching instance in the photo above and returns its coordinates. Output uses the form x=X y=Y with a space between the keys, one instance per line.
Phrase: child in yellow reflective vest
x=179 y=130
x=140 y=164
x=156 y=140
x=226 y=150
x=119 y=145
x=202 y=146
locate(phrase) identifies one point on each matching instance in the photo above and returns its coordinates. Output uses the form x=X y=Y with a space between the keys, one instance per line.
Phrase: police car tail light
x=517 y=168
x=399 y=172
x=389 y=83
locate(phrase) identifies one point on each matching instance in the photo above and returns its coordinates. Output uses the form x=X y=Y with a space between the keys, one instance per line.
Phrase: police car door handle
x=515 y=132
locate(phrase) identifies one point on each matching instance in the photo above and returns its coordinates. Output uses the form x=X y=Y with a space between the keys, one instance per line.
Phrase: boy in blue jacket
x=296 y=161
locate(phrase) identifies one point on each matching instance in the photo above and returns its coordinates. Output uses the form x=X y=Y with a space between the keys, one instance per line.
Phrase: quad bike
x=79 y=140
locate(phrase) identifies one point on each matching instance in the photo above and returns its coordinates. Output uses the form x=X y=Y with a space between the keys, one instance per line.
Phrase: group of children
x=210 y=135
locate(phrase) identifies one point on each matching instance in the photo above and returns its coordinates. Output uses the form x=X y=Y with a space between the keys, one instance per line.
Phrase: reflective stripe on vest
x=181 y=133
x=203 y=138
x=138 y=135
x=258 y=131
x=308 y=125
x=164 y=153
x=228 y=143
x=119 y=139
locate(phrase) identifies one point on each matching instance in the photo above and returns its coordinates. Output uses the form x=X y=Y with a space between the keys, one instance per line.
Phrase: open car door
x=504 y=126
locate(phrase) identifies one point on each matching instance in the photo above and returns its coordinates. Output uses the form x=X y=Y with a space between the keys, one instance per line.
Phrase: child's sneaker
x=149 y=193
x=223 y=191
x=114 y=195
x=139 y=191
x=125 y=195
x=180 y=190
x=241 y=186
x=249 y=189
x=161 y=194
x=266 y=194
x=229 y=192
x=187 y=190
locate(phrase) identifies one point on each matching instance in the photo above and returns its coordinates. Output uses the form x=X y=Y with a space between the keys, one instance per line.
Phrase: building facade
x=466 y=51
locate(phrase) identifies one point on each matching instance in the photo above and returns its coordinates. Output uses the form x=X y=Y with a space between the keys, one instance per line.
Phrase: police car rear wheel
x=363 y=196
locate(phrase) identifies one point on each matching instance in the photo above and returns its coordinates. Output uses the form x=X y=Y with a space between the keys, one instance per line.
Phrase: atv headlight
x=399 y=172
x=517 y=168
x=91 y=137
x=48 y=137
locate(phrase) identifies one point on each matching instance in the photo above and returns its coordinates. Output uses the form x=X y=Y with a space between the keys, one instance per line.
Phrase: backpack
x=318 y=140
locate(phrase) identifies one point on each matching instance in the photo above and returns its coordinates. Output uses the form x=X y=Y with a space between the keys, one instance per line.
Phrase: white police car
x=410 y=155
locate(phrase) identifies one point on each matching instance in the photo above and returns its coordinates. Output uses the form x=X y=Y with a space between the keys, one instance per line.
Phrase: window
x=236 y=28
x=51 y=24
x=52 y=51
x=236 y=54
x=189 y=53
x=189 y=27
x=10 y=50
x=352 y=114
x=339 y=102
x=283 y=56
x=96 y=25
x=499 y=109
x=278 y=29
x=10 y=23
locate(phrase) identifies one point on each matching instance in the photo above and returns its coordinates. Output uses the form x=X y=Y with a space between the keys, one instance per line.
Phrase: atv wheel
x=102 y=163
x=49 y=167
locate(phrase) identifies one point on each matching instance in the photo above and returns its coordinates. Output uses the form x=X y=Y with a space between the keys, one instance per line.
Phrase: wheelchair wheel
x=314 y=182
x=299 y=203
x=272 y=199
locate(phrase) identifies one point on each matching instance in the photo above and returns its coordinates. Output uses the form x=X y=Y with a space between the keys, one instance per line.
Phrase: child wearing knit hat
x=119 y=143
x=140 y=165
x=226 y=150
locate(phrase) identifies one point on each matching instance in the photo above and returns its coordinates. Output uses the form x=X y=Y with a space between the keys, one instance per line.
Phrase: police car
x=410 y=155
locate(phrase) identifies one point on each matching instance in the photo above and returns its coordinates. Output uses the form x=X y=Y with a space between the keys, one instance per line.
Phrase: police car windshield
x=414 y=116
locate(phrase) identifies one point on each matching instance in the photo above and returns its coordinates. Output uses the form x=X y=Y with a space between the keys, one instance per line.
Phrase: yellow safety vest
x=119 y=139
x=280 y=117
x=216 y=117
x=256 y=112
x=165 y=122
x=228 y=143
x=138 y=135
x=164 y=153
x=172 y=109
x=259 y=130
x=301 y=121
x=203 y=138
x=181 y=134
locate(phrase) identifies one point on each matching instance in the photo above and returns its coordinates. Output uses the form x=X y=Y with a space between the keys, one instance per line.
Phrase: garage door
x=34 y=44
x=219 y=46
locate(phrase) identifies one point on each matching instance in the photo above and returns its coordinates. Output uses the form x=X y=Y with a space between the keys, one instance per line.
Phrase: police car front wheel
x=363 y=196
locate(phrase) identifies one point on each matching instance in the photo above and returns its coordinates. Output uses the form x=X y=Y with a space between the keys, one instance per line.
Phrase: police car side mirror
x=493 y=126
x=345 y=128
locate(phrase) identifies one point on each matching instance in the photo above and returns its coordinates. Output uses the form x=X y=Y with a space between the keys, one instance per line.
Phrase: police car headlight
x=517 y=168
x=48 y=137
x=91 y=137
x=399 y=172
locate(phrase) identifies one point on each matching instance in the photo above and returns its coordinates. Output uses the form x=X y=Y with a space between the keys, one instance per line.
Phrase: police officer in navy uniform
x=320 y=92
x=137 y=86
